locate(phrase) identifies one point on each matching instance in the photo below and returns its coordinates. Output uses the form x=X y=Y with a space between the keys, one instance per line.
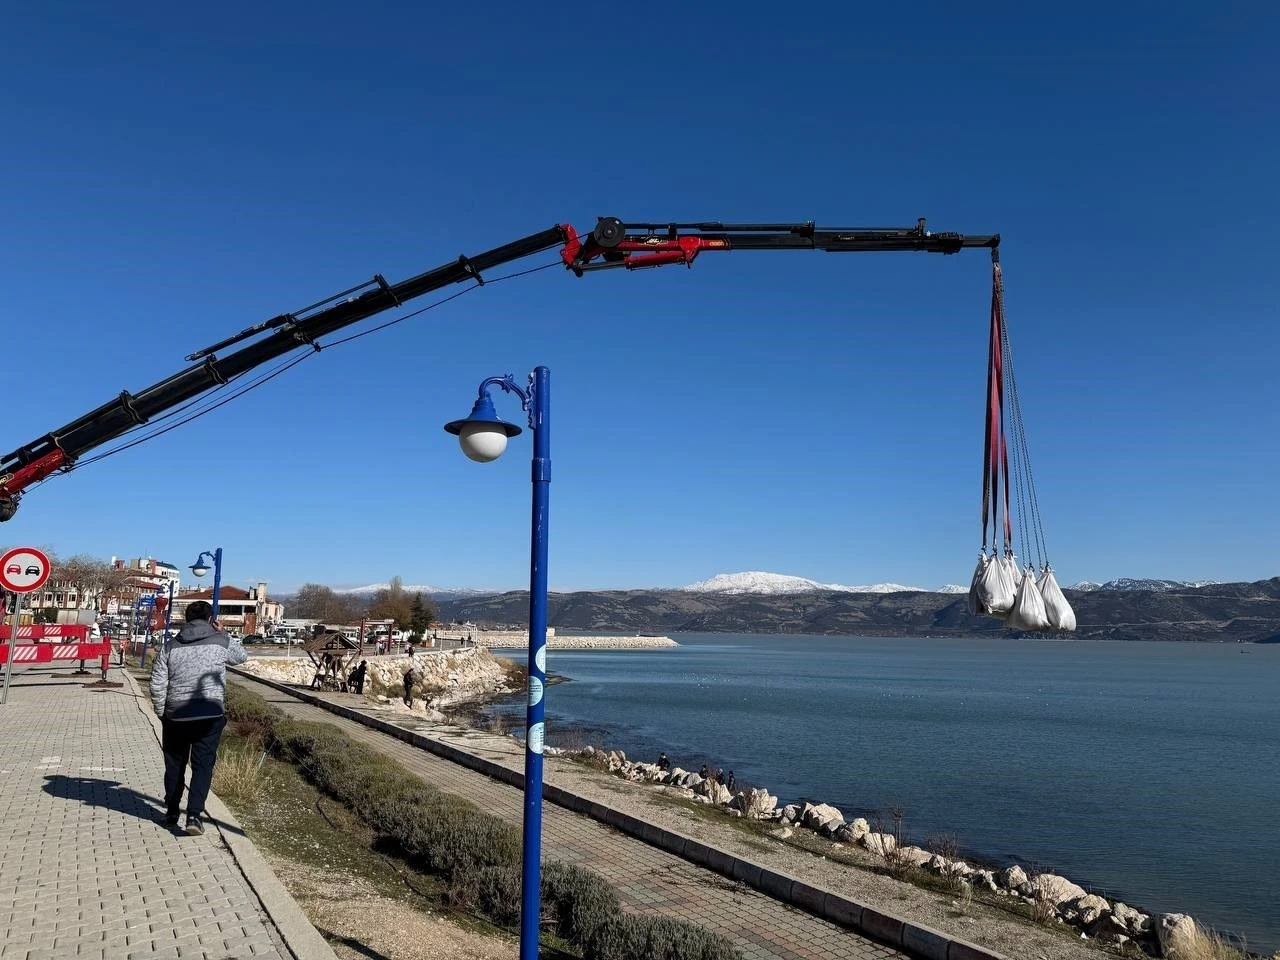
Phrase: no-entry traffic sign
x=23 y=570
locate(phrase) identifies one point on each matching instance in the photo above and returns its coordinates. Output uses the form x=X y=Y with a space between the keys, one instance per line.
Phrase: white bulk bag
x=995 y=590
x=975 y=597
x=1028 y=606
x=1056 y=608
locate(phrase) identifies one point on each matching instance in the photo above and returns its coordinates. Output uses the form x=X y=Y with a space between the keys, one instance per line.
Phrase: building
x=157 y=574
x=240 y=611
x=79 y=589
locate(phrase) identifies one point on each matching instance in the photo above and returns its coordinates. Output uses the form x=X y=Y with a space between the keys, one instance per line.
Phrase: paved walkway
x=89 y=870
x=647 y=879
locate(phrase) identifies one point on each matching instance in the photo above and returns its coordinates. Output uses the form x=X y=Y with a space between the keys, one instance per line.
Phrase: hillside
x=1231 y=612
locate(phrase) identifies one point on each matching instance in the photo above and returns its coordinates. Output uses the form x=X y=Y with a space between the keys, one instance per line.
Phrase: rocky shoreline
x=1048 y=898
x=447 y=679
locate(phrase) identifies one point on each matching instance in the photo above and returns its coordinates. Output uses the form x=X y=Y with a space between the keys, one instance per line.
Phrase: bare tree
x=87 y=576
x=318 y=602
x=392 y=603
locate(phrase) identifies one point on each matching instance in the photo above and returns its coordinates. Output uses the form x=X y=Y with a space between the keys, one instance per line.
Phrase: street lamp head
x=199 y=568
x=482 y=436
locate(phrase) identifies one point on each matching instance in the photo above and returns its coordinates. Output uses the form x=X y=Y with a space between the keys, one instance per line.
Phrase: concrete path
x=648 y=880
x=90 y=871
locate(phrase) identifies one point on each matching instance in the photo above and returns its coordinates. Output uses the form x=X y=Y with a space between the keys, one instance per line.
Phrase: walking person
x=410 y=677
x=359 y=674
x=188 y=690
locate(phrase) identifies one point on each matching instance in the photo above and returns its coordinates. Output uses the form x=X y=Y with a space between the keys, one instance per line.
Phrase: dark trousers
x=194 y=742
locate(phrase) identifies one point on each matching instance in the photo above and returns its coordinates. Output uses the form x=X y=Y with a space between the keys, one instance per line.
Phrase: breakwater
x=515 y=639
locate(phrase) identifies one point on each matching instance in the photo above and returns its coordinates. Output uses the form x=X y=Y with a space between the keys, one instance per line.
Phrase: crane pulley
x=611 y=243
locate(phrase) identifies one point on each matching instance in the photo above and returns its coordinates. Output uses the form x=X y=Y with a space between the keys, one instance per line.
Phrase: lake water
x=1147 y=772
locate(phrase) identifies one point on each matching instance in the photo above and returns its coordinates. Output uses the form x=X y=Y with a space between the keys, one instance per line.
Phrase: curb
x=914 y=938
x=300 y=936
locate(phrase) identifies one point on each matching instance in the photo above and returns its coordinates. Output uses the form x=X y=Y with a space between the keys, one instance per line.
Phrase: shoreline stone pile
x=1053 y=898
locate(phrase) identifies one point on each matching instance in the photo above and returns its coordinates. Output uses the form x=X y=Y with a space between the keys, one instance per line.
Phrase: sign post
x=22 y=570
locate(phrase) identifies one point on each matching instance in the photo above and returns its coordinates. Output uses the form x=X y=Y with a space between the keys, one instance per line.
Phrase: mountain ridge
x=1221 y=612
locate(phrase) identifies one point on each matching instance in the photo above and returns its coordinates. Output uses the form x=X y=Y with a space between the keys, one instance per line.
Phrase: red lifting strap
x=995 y=454
x=997 y=321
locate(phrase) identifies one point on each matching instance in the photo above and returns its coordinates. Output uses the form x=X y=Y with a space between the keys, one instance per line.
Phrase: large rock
x=754 y=803
x=815 y=815
x=1133 y=922
x=1011 y=878
x=853 y=831
x=1051 y=888
x=831 y=828
x=914 y=856
x=984 y=880
x=1177 y=934
x=1091 y=909
x=959 y=869
x=880 y=844
x=790 y=813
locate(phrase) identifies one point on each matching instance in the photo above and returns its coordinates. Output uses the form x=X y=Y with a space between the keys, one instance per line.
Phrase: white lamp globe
x=200 y=570
x=482 y=441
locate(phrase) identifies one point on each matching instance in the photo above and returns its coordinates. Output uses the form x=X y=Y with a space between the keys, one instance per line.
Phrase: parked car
x=253 y=638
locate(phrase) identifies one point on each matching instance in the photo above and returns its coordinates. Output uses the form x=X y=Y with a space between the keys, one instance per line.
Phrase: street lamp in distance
x=200 y=568
x=483 y=437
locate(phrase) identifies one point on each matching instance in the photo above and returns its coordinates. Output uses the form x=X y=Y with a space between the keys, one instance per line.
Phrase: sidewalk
x=89 y=870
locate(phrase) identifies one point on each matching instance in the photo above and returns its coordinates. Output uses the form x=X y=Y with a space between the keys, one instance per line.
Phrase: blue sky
x=174 y=176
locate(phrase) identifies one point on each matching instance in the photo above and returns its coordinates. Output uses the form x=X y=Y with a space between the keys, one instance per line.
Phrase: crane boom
x=612 y=243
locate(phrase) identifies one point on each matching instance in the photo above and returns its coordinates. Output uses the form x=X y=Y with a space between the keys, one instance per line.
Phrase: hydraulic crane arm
x=612 y=243
x=663 y=243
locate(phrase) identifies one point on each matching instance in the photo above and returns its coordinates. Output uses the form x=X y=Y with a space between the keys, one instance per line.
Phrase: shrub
x=477 y=853
x=628 y=937
x=577 y=901
x=249 y=715
x=451 y=839
x=492 y=891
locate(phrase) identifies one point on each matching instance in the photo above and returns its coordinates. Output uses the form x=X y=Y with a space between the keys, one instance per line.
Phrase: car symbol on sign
x=13 y=568
x=33 y=571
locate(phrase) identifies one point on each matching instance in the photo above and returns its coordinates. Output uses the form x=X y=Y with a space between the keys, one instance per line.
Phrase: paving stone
x=89 y=869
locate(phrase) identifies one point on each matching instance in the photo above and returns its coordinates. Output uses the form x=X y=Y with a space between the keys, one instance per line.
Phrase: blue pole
x=168 y=612
x=217 y=579
x=531 y=873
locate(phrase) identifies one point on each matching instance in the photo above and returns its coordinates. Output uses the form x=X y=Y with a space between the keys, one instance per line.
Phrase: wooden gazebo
x=332 y=653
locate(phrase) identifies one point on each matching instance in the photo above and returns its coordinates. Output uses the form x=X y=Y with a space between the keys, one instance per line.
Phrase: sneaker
x=194 y=826
x=171 y=821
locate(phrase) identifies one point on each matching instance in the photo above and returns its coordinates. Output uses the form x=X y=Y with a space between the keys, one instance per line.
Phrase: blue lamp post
x=200 y=568
x=483 y=437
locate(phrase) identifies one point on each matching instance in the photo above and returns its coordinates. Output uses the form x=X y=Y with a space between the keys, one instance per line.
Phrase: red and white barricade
x=61 y=641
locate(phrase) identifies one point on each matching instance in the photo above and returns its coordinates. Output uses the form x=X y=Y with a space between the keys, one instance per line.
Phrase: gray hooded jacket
x=188 y=678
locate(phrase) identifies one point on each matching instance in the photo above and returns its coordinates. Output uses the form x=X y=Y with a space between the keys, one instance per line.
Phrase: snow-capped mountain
x=439 y=593
x=756 y=581
x=1131 y=583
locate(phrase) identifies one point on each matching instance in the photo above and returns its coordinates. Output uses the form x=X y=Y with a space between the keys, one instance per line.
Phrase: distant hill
x=1232 y=612
x=1128 y=583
